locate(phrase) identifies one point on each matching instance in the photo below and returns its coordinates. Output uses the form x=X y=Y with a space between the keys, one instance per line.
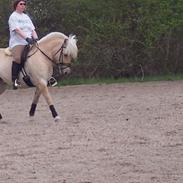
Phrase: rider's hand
x=35 y=39
x=30 y=40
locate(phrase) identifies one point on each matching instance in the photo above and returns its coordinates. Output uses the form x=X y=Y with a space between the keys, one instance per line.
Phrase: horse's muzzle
x=66 y=70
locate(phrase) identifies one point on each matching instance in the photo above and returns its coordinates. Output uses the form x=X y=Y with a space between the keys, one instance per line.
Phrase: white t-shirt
x=22 y=21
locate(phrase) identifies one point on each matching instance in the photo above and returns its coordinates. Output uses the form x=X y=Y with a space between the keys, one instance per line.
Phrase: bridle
x=64 y=44
x=60 y=63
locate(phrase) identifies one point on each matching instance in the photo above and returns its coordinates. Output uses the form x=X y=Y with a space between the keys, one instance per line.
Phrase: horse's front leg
x=34 y=102
x=49 y=101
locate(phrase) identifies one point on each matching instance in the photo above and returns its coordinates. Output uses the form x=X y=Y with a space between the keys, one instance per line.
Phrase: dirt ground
x=117 y=133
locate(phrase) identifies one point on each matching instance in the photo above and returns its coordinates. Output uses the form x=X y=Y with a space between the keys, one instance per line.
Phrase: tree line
x=116 y=38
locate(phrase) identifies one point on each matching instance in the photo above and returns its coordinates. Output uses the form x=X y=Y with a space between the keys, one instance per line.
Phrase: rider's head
x=18 y=2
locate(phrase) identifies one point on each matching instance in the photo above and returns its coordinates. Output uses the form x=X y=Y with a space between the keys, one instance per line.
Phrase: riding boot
x=15 y=72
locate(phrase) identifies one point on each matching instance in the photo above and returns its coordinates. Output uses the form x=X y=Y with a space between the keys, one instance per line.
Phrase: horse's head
x=67 y=51
x=60 y=48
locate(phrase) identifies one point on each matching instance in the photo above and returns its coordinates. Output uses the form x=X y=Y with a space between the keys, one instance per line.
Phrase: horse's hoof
x=57 y=118
x=31 y=114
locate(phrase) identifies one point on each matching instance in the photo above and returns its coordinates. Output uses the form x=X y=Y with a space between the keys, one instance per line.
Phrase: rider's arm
x=34 y=35
x=20 y=33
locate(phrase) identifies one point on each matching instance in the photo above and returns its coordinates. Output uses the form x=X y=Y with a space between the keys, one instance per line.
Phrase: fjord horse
x=52 y=50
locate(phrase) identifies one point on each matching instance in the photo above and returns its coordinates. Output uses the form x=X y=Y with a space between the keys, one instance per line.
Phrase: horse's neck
x=49 y=47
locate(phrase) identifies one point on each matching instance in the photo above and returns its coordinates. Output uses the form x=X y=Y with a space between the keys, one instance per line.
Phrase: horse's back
x=5 y=65
x=4 y=57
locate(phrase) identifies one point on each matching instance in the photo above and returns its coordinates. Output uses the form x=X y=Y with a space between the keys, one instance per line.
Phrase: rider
x=22 y=32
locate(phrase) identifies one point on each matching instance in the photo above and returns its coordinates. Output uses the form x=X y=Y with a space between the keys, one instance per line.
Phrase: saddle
x=24 y=57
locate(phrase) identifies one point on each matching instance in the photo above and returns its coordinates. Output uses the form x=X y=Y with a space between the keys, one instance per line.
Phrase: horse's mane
x=71 y=48
x=53 y=35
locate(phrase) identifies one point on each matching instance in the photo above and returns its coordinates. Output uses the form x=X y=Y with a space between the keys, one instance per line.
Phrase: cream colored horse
x=53 y=49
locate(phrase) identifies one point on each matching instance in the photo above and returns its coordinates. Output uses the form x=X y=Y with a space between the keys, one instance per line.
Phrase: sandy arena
x=117 y=133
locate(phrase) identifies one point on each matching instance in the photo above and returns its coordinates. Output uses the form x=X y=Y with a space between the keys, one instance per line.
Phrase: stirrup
x=52 y=82
x=16 y=84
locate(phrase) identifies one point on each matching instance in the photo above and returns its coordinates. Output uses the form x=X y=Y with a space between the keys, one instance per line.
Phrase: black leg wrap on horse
x=53 y=111
x=33 y=109
x=1 y=116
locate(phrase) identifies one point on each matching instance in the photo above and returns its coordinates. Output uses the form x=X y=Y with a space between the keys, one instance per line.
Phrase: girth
x=24 y=57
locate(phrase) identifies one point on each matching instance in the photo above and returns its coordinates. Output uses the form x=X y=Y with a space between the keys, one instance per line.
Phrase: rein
x=59 y=50
x=61 y=66
x=45 y=54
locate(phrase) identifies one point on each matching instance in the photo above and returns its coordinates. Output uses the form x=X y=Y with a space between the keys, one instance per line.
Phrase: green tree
x=115 y=38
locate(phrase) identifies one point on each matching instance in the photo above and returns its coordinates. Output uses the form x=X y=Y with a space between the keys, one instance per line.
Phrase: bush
x=116 y=38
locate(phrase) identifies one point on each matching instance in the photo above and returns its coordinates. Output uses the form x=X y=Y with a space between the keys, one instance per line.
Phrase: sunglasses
x=22 y=4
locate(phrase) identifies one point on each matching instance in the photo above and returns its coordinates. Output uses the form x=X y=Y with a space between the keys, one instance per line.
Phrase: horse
x=54 y=49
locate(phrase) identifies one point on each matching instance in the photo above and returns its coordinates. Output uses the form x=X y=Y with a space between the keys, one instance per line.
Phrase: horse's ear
x=65 y=41
x=73 y=37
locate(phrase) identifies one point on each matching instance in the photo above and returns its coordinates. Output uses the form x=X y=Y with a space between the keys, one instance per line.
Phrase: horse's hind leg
x=34 y=102
x=2 y=86
x=2 y=89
